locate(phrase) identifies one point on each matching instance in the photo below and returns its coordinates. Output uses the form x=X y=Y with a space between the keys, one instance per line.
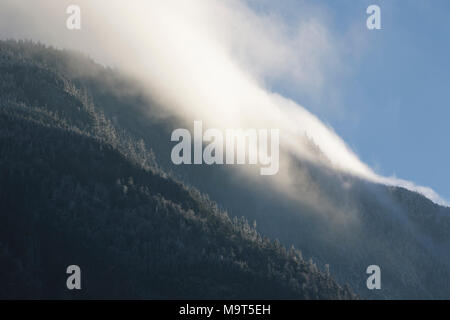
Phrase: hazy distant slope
x=76 y=189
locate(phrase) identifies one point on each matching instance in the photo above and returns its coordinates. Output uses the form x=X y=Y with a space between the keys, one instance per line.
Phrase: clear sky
x=390 y=100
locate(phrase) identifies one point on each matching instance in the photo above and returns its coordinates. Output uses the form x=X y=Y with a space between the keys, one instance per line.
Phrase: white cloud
x=207 y=60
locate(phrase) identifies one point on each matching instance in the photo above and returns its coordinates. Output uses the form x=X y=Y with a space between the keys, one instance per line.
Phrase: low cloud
x=208 y=60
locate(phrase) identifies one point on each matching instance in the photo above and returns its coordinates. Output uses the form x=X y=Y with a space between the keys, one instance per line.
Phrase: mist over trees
x=77 y=188
x=86 y=175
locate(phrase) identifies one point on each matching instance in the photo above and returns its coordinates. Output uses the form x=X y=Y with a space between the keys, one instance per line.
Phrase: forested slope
x=76 y=189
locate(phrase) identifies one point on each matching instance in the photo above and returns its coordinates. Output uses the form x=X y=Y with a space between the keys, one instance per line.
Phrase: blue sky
x=392 y=105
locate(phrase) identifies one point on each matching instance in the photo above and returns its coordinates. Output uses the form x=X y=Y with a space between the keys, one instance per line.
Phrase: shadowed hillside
x=77 y=188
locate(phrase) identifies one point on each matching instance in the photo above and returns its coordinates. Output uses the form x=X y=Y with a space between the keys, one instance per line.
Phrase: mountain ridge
x=77 y=190
x=354 y=224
